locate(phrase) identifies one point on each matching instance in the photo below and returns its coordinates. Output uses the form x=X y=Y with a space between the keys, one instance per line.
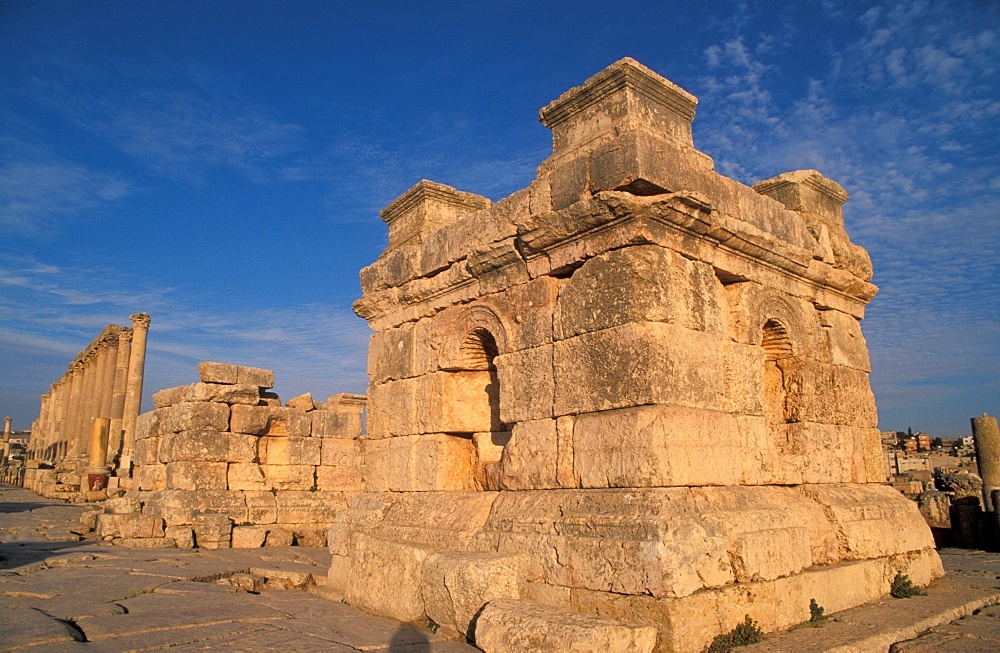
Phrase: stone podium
x=636 y=390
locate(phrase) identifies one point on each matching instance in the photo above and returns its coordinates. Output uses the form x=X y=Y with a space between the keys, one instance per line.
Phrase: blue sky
x=221 y=165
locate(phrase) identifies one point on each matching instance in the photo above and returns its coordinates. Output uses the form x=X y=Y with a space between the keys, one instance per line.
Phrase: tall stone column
x=71 y=422
x=88 y=396
x=986 y=435
x=133 y=389
x=118 y=393
x=61 y=389
x=6 y=439
x=106 y=357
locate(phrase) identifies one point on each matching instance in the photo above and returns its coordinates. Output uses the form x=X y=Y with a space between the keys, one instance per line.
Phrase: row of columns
x=103 y=382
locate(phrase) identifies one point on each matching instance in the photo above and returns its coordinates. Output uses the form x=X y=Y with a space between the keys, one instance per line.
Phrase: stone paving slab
x=54 y=592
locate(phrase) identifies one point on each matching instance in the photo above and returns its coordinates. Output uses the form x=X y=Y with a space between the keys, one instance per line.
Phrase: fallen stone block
x=129 y=526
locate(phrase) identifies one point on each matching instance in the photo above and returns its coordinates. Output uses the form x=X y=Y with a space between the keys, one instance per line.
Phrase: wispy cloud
x=906 y=118
x=178 y=122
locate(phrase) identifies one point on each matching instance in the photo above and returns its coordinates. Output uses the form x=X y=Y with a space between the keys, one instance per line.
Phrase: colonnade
x=104 y=381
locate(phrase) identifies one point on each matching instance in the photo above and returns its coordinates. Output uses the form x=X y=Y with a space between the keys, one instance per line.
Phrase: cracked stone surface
x=60 y=592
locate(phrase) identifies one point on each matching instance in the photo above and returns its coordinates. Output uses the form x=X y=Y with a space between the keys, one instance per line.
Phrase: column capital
x=140 y=320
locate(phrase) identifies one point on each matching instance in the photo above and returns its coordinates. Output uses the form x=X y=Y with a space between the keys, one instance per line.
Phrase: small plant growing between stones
x=903 y=588
x=816 y=615
x=745 y=633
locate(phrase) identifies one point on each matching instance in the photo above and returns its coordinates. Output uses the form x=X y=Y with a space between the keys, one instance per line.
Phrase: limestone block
x=233 y=374
x=123 y=506
x=248 y=537
x=458 y=402
x=303 y=402
x=183 y=536
x=169 y=396
x=242 y=448
x=340 y=452
x=212 y=531
x=187 y=475
x=498 y=266
x=517 y=626
x=456 y=586
x=289 y=477
x=178 y=507
x=402 y=352
x=340 y=478
x=526 y=312
x=262 y=507
x=645 y=283
x=873 y=520
x=529 y=459
x=194 y=446
x=830 y=394
x=147 y=425
x=279 y=537
x=291 y=450
x=767 y=528
x=335 y=424
x=845 y=341
x=129 y=525
x=384 y=578
x=217 y=372
x=454 y=241
x=656 y=446
x=871 y=443
x=241 y=393
x=394 y=408
x=420 y=463
x=527 y=384
x=654 y=541
x=365 y=514
x=393 y=268
x=245 y=477
x=151 y=476
x=147 y=451
x=270 y=420
x=743 y=369
x=308 y=507
x=269 y=399
x=677 y=366
x=310 y=535
x=437 y=520
x=194 y=416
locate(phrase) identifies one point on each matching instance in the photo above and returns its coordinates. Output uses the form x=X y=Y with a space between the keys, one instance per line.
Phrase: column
x=69 y=432
x=59 y=389
x=986 y=435
x=118 y=393
x=87 y=401
x=6 y=439
x=133 y=389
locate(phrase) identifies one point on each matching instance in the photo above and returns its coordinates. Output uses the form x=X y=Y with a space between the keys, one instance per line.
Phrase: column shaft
x=986 y=435
x=133 y=390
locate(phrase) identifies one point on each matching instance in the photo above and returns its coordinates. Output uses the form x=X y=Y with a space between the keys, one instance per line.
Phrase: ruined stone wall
x=636 y=389
x=221 y=462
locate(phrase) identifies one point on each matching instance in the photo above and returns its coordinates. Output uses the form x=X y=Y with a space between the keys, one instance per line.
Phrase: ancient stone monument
x=222 y=463
x=631 y=399
x=104 y=382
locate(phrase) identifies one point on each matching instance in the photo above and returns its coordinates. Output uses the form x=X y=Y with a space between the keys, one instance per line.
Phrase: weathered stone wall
x=636 y=389
x=221 y=462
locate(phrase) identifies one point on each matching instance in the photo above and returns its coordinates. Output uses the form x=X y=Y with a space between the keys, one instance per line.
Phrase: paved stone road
x=58 y=593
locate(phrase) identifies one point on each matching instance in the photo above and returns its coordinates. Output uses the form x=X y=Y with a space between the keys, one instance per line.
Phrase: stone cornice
x=624 y=74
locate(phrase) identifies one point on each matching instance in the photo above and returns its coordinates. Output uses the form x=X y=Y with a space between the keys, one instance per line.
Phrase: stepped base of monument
x=691 y=562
